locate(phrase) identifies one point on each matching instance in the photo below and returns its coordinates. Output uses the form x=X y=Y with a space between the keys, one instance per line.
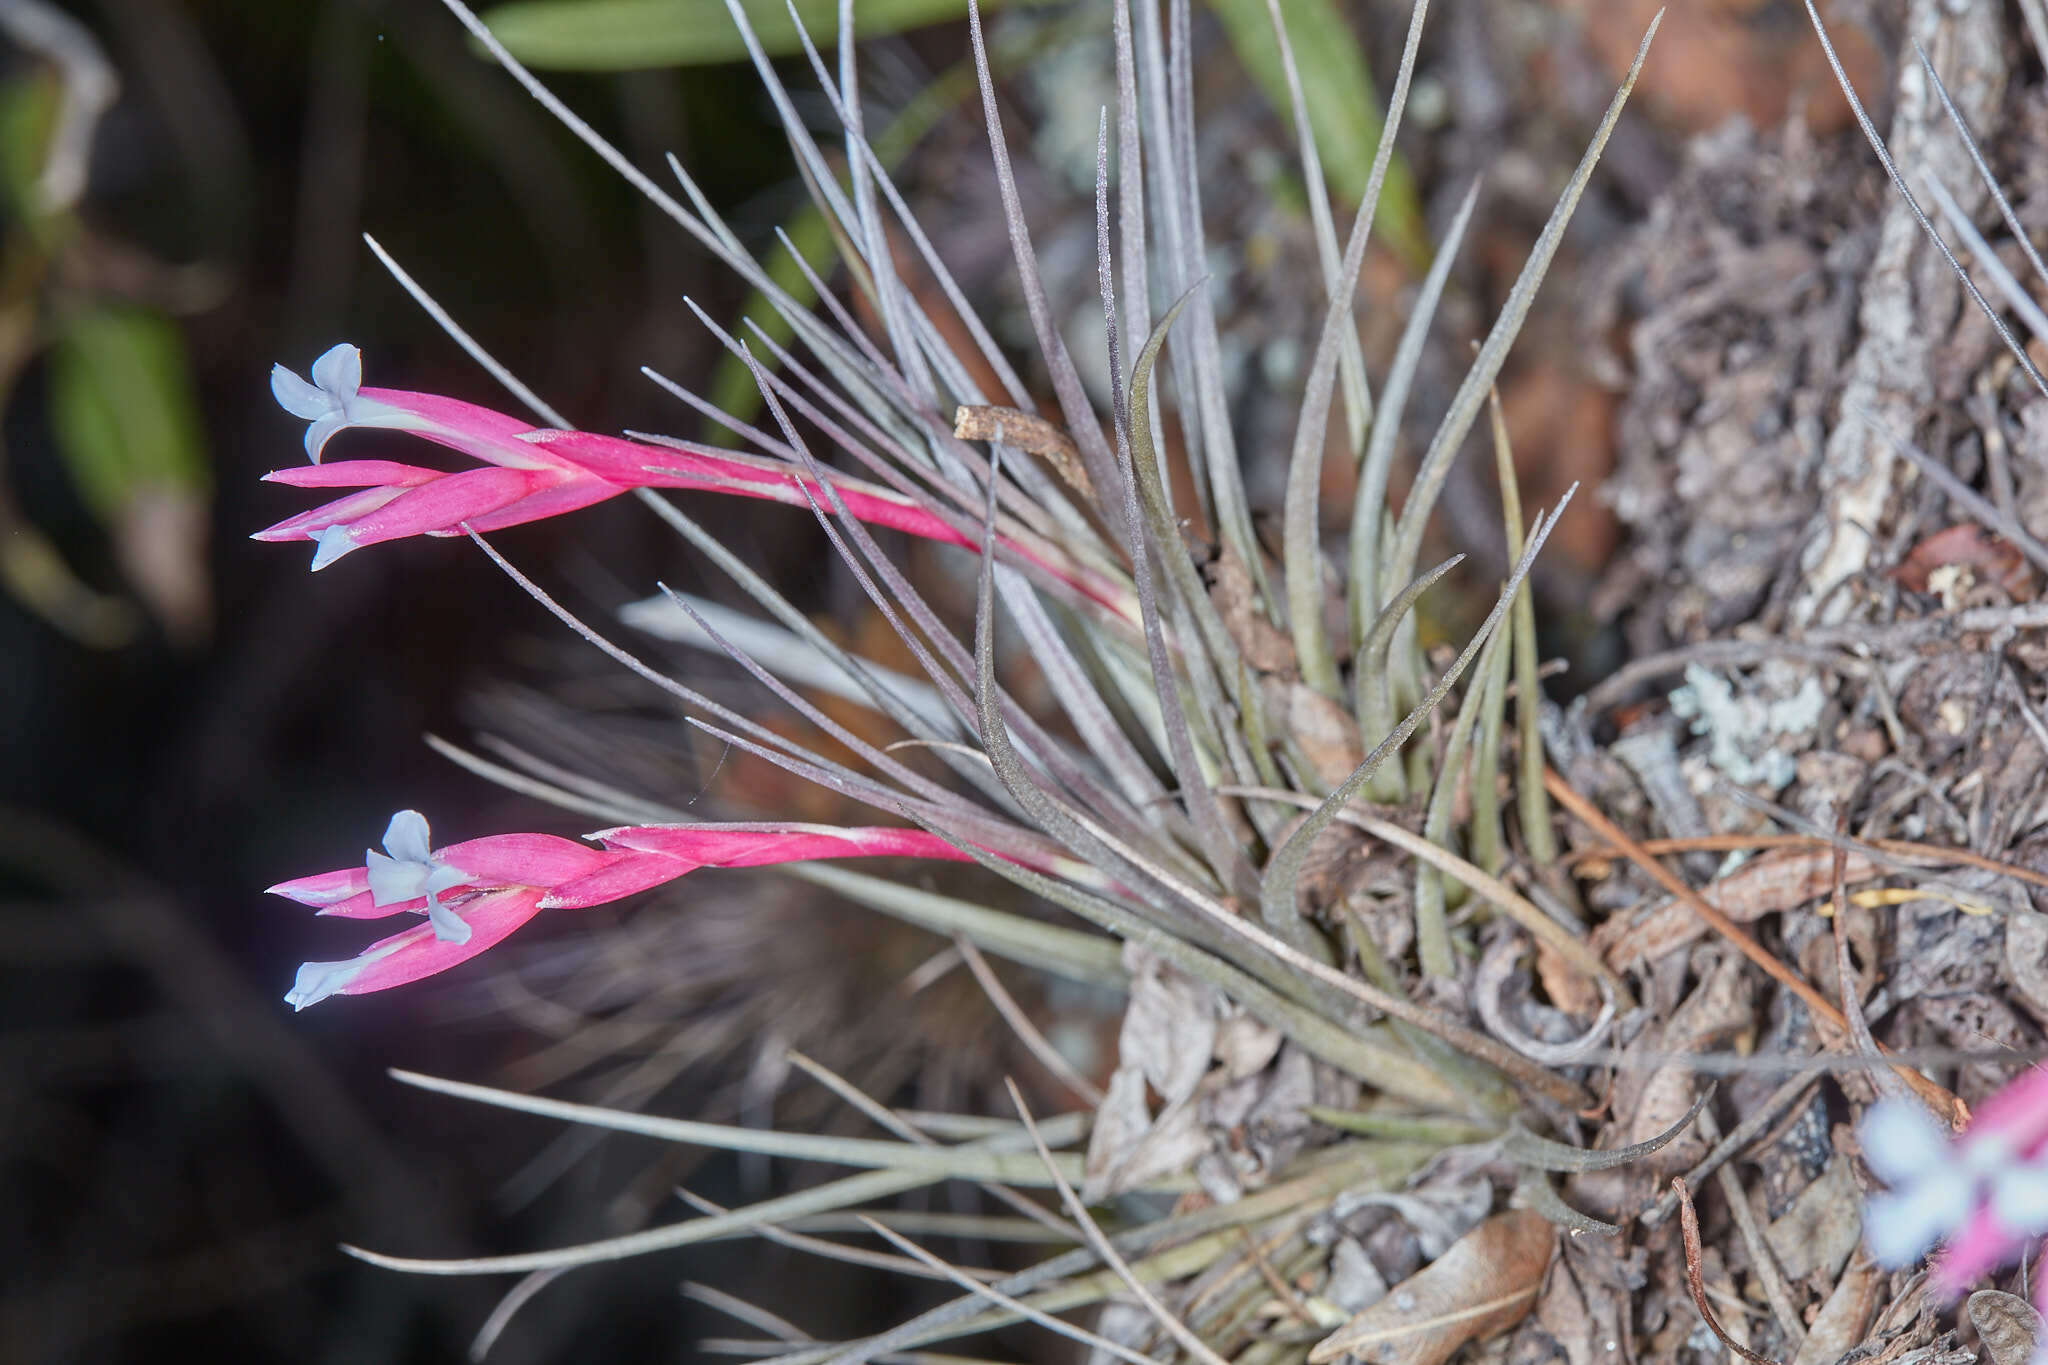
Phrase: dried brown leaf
x=1780 y=880
x=1587 y=1306
x=2007 y=1324
x=1245 y=1046
x=1128 y=1147
x=1327 y=734
x=1029 y=433
x=1484 y=1284
x=1169 y=1027
x=1822 y=1227
x=1265 y=646
x=1689 y=1227
x=1844 y=1317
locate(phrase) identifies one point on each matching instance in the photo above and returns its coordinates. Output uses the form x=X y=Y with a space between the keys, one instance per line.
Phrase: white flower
x=329 y=402
x=412 y=871
x=1932 y=1194
x=1938 y=1183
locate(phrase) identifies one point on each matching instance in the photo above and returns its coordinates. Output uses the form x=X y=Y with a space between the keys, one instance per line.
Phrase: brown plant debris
x=1484 y=1284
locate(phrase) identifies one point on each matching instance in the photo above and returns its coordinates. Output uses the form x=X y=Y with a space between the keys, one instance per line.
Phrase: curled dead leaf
x=1029 y=433
x=1484 y=1284
x=2007 y=1324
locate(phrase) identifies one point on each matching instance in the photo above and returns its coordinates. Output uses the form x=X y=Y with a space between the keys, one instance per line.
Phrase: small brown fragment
x=1031 y=434
x=1266 y=647
x=1845 y=1316
x=1689 y=1229
x=1483 y=1284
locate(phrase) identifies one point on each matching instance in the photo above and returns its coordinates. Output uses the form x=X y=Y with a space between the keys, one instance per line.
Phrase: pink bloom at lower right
x=1980 y=1194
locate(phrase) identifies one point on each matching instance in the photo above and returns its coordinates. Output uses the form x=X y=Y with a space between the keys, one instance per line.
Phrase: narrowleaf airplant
x=1218 y=716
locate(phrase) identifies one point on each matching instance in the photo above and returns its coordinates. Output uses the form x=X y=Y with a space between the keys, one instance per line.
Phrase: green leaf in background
x=127 y=425
x=28 y=114
x=27 y=119
x=634 y=35
x=1343 y=107
x=122 y=407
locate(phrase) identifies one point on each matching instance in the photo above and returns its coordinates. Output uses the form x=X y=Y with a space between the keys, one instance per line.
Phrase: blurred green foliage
x=122 y=408
x=125 y=417
x=633 y=35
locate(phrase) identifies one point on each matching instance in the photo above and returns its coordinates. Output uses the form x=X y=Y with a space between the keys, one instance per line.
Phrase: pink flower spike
x=524 y=859
x=341 y=512
x=476 y=892
x=2017 y=1114
x=545 y=473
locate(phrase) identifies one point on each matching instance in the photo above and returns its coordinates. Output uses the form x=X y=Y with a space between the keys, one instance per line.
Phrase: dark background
x=179 y=1154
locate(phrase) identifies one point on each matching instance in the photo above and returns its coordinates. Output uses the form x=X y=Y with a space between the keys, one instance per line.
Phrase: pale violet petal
x=406 y=838
x=448 y=926
x=445 y=878
x=1901 y=1226
x=318 y=980
x=1985 y=1154
x=2019 y=1197
x=1902 y=1141
x=322 y=430
x=297 y=397
x=340 y=371
x=333 y=542
x=392 y=880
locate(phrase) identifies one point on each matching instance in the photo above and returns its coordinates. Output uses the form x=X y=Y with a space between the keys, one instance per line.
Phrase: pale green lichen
x=1744 y=731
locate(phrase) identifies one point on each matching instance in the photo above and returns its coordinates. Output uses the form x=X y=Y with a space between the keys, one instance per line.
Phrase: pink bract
x=537 y=472
x=477 y=892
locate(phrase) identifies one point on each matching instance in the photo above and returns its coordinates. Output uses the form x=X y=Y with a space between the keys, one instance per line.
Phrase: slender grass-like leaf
x=1066 y=381
x=1104 y=1248
x=1337 y=97
x=1543 y=1154
x=1432 y=928
x=1884 y=157
x=1464 y=410
x=1372 y=517
x=1284 y=870
x=1219 y=845
x=1301 y=512
x=1017 y=1306
x=833 y=1195
x=1357 y=392
x=970 y=1162
x=1208 y=1237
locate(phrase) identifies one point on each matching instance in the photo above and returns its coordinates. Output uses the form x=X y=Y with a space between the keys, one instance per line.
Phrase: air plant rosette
x=1223 y=772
